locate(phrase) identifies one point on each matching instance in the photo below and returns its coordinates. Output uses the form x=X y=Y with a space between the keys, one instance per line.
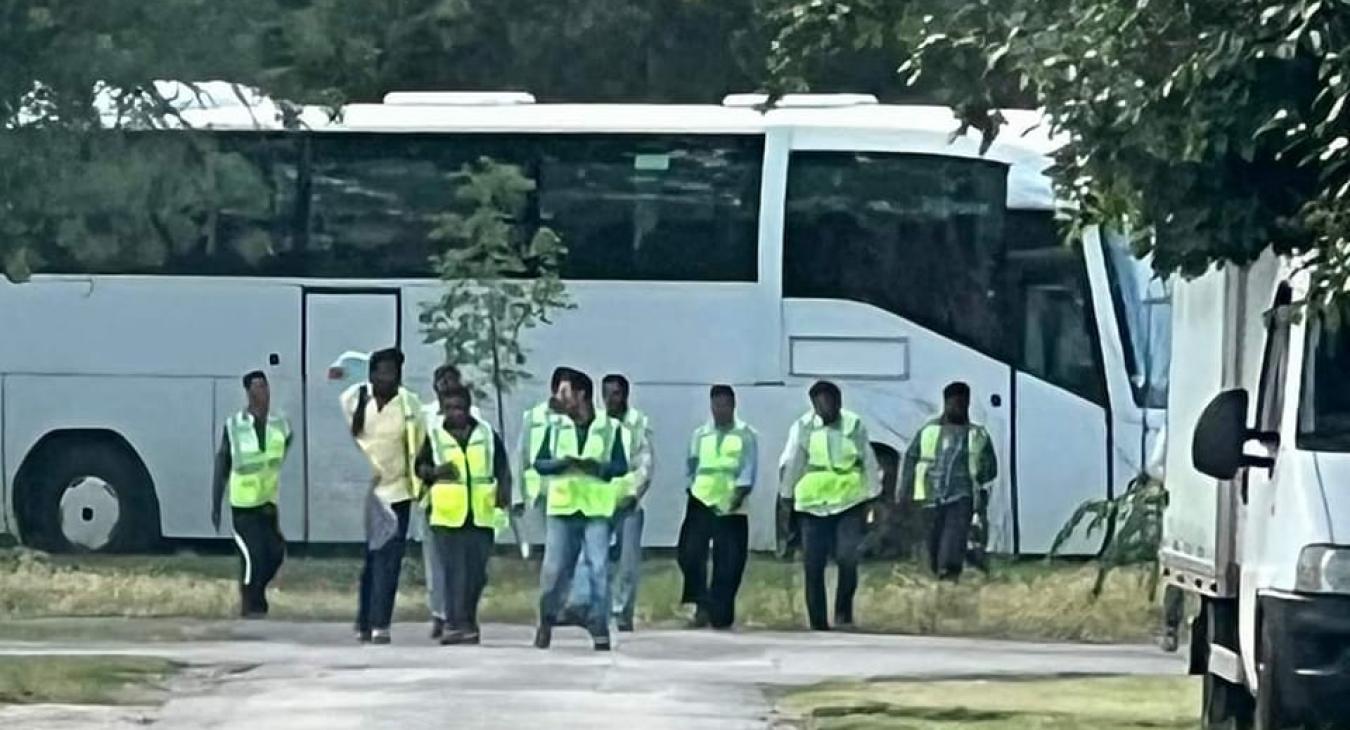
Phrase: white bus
x=831 y=237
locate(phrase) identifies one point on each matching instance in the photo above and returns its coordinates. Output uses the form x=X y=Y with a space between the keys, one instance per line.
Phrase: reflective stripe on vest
x=976 y=438
x=450 y=500
x=255 y=470
x=536 y=423
x=572 y=491
x=718 y=455
x=831 y=480
x=412 y=440
x=632 y=431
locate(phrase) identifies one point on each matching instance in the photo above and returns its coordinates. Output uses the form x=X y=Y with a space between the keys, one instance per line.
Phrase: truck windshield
x=1324 y=412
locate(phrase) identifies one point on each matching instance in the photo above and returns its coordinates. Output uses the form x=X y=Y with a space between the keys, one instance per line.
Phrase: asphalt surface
x=303 y=676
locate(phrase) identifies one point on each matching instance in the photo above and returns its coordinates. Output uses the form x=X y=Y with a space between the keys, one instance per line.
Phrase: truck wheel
x=89 y=495
x=1225 y=706
x=1270 y=713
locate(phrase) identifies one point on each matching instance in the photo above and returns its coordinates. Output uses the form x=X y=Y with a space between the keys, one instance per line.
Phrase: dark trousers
x=729 y=536
x=379 y=577
x=1174 y=608
x=464 y=553
x=262 y=549
x=838 y=536
x=947 y=538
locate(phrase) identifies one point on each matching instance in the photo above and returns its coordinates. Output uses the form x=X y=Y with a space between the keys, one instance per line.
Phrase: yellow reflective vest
x=832 y=480
x=717 y=456
x=977 y=440
x=476 y=486
x=572 y=491
x=255 y=468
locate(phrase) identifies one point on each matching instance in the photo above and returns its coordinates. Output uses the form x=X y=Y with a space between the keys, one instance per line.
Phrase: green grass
x=84 y=680
x=1020 y=600
x=1105 y=703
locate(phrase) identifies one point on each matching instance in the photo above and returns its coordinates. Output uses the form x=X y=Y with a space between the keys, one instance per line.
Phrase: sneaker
x=601 y=643
x=700 y=619
x=437 y=628
x=363 y=636
x=1169 y=641
x=543 y=636
x=381 y=637
x=624 y=624
x=461 y=638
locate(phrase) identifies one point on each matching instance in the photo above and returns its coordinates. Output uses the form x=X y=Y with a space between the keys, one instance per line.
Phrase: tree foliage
x=1130 y=525
x=1214 y=128
x=501 y=277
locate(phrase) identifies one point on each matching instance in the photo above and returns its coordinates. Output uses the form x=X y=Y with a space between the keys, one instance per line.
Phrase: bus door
x=338 y=323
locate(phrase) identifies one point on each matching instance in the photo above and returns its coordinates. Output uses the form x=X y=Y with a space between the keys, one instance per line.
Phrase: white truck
x=1258 y=475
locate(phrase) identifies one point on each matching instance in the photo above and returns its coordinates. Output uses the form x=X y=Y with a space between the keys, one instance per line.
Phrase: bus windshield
x=1324 y=413
x=1143 y=305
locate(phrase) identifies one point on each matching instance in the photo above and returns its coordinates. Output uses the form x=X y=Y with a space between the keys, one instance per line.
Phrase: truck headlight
x=1323 y=569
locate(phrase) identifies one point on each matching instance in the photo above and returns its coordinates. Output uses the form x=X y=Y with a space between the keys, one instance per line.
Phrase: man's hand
x=738 y=498
x=587 y=466
x=426 y=472
x=447 y=472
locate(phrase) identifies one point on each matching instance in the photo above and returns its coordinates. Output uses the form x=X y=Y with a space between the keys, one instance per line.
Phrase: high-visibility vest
x=929 y=437
x=535 y=422
x=831 y=480
x=477 y=483
x=632 y=430
x=412 y=436
x=255 y=469
x=572 y=492
x=718 y=455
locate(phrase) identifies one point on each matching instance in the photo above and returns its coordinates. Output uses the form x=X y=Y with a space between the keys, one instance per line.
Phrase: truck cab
x=1259 y=518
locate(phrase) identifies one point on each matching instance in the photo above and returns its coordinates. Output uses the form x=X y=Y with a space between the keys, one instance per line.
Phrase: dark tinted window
x=178 y=203
x=638 y=207
x=918 y=236
x=1324 y=413
x=1051 y=306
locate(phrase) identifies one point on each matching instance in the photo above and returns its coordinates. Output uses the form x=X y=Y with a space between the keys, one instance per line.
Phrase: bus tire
x=88 y=493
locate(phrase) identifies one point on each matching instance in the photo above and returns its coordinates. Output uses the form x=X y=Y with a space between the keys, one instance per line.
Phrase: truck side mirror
x=1221 y=433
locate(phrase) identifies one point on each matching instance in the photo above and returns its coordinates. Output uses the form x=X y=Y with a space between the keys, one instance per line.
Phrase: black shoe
x=461 y=638
x=700 y=619
x=601 y=643
x=543 y=636
x=253 y=615
x=437 y=628
x=625 y=625
x=363 y=636
x=381 y=637
x=820 y=627
x=1169 y=641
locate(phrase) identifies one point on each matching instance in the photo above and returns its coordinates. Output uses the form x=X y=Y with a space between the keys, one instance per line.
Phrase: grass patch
x=81 y=680
x=1020 y=600
x=1101 y=703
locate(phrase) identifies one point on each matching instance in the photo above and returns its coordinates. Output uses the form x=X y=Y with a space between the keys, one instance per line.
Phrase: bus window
x=919 y=236
x=1054 y=323
x=1143 y=309
x=653 y=208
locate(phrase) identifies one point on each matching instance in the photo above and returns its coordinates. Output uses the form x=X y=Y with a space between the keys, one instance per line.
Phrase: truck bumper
x=1313 y=633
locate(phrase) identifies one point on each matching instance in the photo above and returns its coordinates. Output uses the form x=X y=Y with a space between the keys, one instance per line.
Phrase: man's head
x=455 y=401
x=560 y=388
x=580 y=395
x=386 y=372
x=826 y=400
x=446 y=376
x=723 y=401
x=258 y=391
x=614 y=389
x=956 y=403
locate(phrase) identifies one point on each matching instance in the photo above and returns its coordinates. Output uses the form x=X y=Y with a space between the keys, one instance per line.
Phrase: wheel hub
x=89 y=512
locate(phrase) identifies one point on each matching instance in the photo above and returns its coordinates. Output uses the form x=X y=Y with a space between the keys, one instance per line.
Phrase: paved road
x=302 y=676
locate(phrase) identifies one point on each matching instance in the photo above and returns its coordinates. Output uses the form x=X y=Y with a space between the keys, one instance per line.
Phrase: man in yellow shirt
x=387 y=424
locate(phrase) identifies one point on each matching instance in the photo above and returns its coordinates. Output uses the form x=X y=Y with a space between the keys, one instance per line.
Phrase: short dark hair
x=721 y=391
x=956 y=389
x=560 y=374
x=389 y=354
x=253 y=375
x=825 y=387
x=616 y=379
x=581 y=383
x=459 y=391
x=442 y=374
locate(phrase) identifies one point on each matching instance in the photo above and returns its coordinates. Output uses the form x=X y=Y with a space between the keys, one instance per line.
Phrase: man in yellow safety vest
x=464 y=466
x=722 y=463
x=947 y=467
x=248 y=466
x=831 y=477
x=534 y=424
x=580 y=458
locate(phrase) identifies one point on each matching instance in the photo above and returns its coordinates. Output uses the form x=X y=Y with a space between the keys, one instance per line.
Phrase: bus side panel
x=167 y=422
x=7 y=526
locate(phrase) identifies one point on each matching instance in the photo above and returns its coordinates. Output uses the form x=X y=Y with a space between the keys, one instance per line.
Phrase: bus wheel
x=88 y=494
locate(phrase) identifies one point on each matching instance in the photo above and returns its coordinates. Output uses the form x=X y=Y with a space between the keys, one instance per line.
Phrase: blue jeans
x=566 y=538
x=626 y=573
